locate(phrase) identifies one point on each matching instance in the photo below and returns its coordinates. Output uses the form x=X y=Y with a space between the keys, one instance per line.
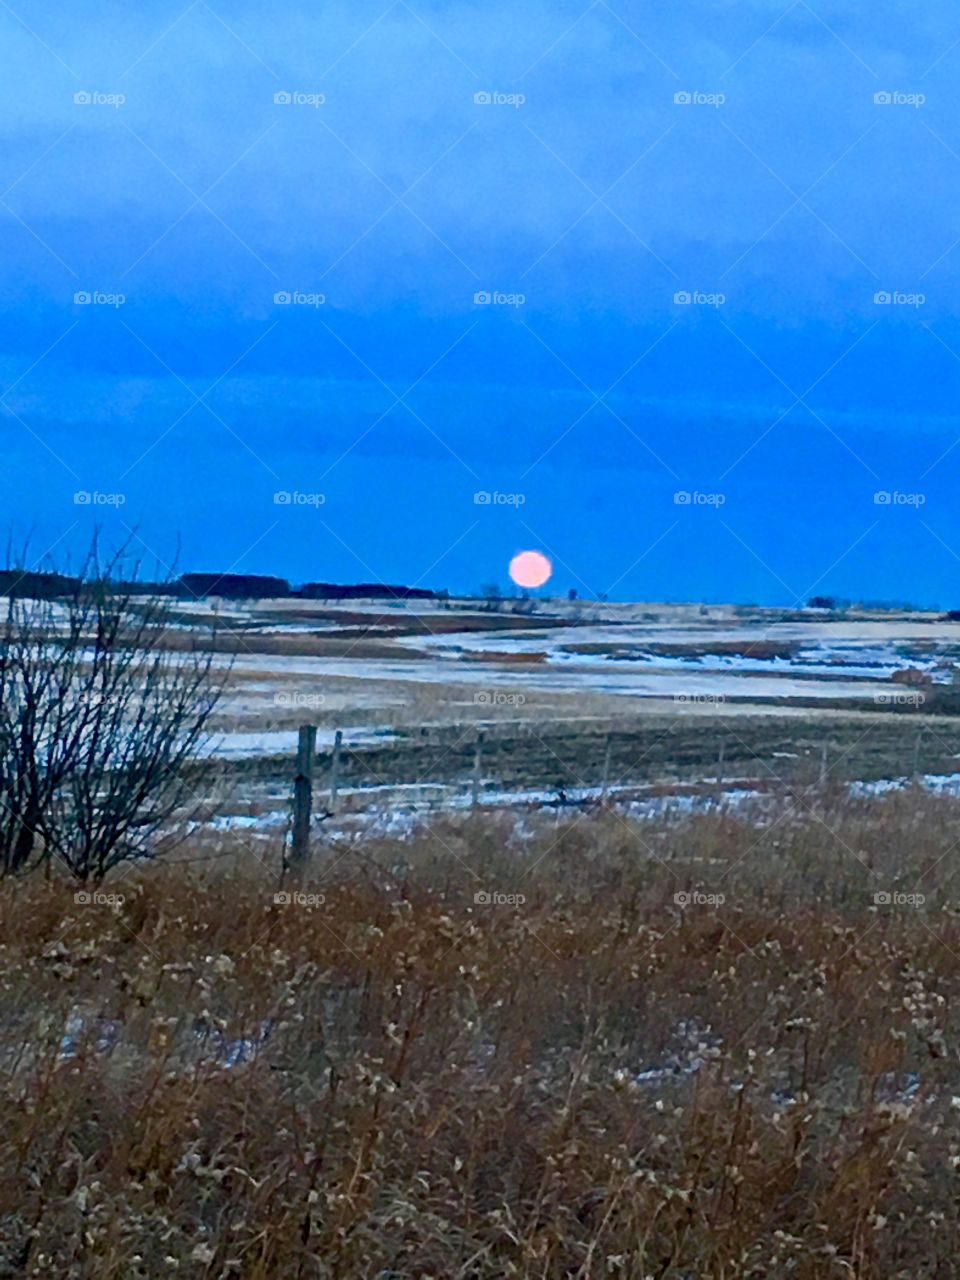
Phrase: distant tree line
x=364 y=591
x=870 y=606
x=197 y=586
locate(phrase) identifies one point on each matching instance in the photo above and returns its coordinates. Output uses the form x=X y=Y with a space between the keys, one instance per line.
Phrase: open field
x=480 y=640
x=629 y=948
x=653 y=752
x=572 y=700
x=689 y=1047
x=649 y=699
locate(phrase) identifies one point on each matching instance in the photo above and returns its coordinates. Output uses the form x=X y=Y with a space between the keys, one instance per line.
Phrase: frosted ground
x=460 y=675
x=555 y=685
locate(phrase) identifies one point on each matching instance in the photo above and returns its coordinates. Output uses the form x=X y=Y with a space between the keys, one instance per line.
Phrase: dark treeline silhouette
x=197 y=586
x=838 y=603
x=234 y=586
x=252 y=587
x=36 y=586
x=363 y=591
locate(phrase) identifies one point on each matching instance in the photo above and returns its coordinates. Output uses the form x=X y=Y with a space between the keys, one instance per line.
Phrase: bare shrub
x=97 y=720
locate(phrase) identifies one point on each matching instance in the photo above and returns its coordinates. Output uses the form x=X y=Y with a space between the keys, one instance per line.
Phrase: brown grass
x=438 y=1087
x=765 y=649
x=294 y=644
x=361 y=635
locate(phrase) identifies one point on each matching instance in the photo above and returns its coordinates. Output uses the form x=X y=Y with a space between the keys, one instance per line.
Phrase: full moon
x=530 y=569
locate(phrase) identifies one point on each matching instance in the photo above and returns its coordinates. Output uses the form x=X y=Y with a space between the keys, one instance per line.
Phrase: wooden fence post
x=335 y=770
x=303 y=792
x=477 y=759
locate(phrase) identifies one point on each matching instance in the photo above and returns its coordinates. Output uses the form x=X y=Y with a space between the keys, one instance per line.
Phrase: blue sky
x=783 y=198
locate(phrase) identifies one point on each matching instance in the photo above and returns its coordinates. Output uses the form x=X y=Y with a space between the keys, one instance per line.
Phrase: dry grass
x=402 y=1082
x=359 y=635
x=294 y=644
x=695 y=647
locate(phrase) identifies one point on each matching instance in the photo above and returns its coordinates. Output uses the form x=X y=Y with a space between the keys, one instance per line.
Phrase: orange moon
x=530 y=569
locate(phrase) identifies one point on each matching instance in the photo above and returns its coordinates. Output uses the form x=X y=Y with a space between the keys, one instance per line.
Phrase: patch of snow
x=691 y=1041
x=230 y=1051
x=242 y=745
x=940 y=783
x=103 y=1033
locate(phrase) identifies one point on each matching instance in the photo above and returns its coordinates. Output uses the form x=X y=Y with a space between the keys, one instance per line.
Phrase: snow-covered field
x=860 y=650
x=632 y=673
x=584 y=675
x=824 y=674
